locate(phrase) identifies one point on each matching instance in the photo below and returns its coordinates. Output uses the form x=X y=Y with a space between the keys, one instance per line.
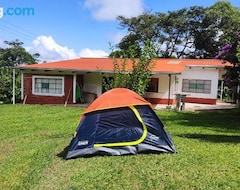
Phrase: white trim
x=22 y=86
x=14 y=80
x=74 y=88
x=222 y=85
x=47 y=77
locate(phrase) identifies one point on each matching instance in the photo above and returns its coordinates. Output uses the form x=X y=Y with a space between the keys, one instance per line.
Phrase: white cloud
x=92 y=53
x=116 y=38
x=50 y=50
x=110 y=9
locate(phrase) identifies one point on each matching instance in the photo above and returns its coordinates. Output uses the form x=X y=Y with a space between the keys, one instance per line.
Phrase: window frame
x=34 y=77
x=154 y=82
x=197 y=86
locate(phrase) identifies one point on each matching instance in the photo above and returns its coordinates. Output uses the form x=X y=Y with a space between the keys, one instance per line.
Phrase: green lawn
x=32 y=139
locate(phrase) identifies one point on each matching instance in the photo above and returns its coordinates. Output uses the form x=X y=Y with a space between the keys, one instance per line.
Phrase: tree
x=10 y=57
x=232 y=76
x=225 y=21
x=173 y=32
x=194 y=32
x=128 y=42
x=227 y=18
x=135 y=76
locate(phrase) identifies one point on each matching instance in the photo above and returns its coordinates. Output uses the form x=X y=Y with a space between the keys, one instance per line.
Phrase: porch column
x=169 y=88
x=221 y=95
x=22 y=86
x=13 y=86
x=74 y=87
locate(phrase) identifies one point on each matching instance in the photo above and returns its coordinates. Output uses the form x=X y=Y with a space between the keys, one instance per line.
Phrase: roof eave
x=167 y=72
x=206 y=66
x=62 y=70
x=87 y=70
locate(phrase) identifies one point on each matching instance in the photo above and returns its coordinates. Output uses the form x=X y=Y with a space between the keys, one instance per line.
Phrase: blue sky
x=67 y=29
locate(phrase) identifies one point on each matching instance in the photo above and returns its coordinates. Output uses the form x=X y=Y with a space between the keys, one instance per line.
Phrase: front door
x=79 y=89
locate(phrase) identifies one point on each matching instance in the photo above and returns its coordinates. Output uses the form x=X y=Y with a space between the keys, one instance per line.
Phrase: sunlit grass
x=32 y=139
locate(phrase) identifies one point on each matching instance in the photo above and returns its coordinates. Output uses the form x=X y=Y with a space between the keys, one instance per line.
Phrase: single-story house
x=62 y=82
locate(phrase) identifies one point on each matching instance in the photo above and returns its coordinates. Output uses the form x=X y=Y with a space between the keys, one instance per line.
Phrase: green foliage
x=6 y=85
x=135 y=76
x=128 y=42
x=142 y=69
x=227 y=19
x=194 y=32
x=12 y=56
x=15 y=55
x=31 y=148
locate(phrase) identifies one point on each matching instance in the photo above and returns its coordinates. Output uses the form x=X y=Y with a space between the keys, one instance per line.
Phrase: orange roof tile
x=115 y=98
x=106 y=65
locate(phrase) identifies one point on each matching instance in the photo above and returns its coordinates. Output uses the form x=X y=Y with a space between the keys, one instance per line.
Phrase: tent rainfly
x=119 y=122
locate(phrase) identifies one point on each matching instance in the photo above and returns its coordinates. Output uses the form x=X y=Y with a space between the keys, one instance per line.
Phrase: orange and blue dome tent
x=119 y=122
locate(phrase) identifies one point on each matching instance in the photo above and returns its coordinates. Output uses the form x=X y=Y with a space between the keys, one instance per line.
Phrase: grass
x=32 y=139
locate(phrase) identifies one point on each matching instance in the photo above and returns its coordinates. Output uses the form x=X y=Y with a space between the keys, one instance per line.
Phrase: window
x=48 y=85
x=196 y=86
x=153 y=85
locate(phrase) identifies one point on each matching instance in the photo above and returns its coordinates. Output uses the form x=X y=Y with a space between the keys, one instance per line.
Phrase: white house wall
x=201 y=74
x=222 y=71
x=162 y=96
x=93 y=83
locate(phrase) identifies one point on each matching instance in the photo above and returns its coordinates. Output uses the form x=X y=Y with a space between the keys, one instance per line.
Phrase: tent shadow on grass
x=213 y=138
x=63 y=153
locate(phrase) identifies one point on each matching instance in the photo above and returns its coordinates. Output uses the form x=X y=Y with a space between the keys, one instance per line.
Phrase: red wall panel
x=30 y=98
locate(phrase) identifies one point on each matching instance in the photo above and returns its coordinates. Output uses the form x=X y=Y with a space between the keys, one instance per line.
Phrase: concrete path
x=199 y=107
x=188 y=106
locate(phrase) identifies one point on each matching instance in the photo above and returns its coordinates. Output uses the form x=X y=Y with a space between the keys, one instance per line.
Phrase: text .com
x=17 y=11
